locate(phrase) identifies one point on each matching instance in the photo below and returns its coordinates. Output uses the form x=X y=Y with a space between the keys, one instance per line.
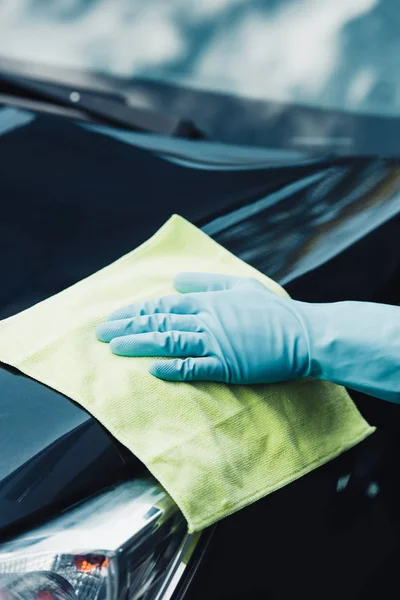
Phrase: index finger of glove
x=146 y=324
x=176 y=304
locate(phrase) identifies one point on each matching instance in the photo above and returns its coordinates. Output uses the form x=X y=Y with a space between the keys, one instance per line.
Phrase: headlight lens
x=36 y=586
x=129 y=542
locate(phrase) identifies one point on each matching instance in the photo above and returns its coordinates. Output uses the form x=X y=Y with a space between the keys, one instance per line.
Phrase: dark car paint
x=71 y=202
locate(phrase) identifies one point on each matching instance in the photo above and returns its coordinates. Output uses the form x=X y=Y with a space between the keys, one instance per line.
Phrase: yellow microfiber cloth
x=215 y=448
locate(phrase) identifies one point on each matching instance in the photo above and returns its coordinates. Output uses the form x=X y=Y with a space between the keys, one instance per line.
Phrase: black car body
x=75 y=195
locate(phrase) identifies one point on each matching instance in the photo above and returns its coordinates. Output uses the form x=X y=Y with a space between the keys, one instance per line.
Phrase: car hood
x=76 y=197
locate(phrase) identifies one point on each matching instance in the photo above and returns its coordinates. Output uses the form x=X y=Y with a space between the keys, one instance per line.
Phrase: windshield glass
x=337 y=54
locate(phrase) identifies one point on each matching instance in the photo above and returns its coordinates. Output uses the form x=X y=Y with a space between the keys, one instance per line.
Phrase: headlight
x=129 y=542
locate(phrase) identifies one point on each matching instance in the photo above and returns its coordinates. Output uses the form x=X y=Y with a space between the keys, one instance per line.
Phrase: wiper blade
x=109 y=109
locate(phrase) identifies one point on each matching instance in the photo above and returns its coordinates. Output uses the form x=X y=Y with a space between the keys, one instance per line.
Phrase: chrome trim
x=135 y=524
x=105 y=522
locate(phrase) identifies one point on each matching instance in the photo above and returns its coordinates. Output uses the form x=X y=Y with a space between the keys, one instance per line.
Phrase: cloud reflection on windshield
x=331 y=53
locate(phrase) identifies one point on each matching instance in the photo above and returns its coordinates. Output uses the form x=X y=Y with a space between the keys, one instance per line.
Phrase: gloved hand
x=222 y=328
x=235 y=330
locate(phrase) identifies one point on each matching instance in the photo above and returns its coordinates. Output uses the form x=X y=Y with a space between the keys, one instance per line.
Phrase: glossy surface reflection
x=72 y=201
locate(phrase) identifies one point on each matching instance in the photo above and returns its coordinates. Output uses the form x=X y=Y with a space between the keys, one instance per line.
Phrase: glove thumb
x=204 y=282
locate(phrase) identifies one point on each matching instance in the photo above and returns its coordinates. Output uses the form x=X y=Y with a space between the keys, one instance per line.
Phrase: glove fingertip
x=166 y=369
x=102 y=333
x=183 y=282
x=121 y=346
x=117 y=315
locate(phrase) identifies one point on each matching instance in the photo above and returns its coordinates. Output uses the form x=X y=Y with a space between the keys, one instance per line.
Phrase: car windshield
x=337 y=54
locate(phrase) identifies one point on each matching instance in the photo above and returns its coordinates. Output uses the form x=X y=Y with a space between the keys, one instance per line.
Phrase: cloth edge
x=194 y=525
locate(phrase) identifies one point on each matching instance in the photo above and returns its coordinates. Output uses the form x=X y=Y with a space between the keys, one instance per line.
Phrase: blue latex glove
x=231 y=329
